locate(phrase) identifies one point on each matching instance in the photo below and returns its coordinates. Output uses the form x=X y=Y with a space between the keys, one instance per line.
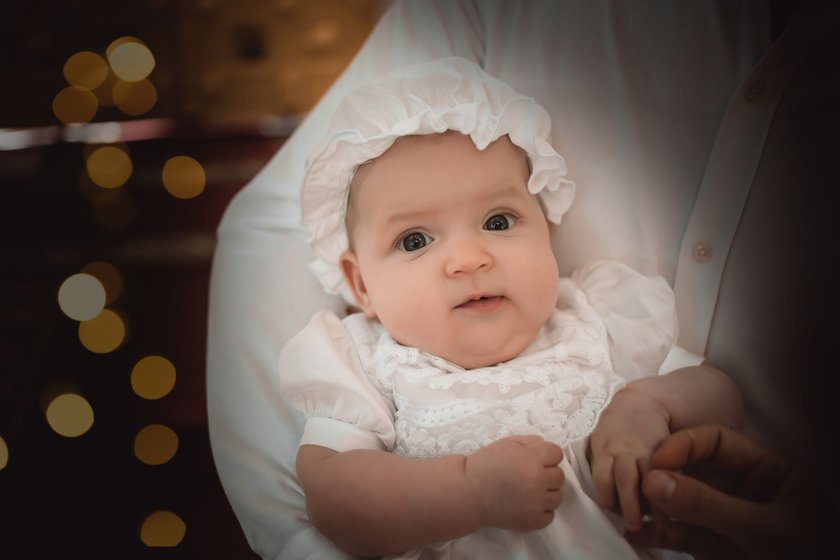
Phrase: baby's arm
x=642 y=415
x=374 y=503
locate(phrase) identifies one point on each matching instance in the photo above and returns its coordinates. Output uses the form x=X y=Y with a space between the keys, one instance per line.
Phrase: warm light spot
x=86 y=69
x=108 y=275
x=102 y=334
x=74 y=105
x=4 y=453
x=155 y=444
x=69 y=415
x=183 y=177
x=109 y=167
x=153 y=377
x=162 y=528
x=81 y=297
x=135 y=98
x=130 y=59
x=323 y=34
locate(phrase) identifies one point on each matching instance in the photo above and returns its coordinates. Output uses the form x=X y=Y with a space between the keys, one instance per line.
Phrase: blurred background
x=125 y=129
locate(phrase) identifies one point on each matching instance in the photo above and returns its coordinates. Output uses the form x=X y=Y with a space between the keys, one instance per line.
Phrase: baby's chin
x=475 y=358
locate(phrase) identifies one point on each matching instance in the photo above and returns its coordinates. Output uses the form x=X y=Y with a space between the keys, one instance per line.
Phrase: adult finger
x=695 y=503
x=721 y=446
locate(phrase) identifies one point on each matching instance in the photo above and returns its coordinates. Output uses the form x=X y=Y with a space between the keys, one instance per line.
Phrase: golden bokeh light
x=86 y=69
x=134 y=98
x=325 y=33
x=81 y=297
x=153 y=377
x=102 y=334
x=109 y=167
x=4 y=453
x=69 y=415
x=162 y=528
x=130 y=59
x=108 y=275
x=183 y=177
x=75 y=105
x=155 y=444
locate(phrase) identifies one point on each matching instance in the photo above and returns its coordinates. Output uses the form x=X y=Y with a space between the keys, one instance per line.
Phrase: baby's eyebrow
x=505 y=193
x=407 y=216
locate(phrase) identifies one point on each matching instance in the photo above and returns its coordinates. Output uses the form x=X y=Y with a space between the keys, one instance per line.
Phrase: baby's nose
x=467 y=254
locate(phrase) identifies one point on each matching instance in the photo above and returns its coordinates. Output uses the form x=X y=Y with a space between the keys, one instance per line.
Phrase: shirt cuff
x=678 y=358
x=339 y=436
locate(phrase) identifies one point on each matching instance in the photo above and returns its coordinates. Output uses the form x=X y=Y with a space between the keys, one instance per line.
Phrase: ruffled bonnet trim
x=446 y=94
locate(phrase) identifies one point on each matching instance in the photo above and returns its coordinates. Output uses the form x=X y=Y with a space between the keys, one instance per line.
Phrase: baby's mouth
x=480 y=303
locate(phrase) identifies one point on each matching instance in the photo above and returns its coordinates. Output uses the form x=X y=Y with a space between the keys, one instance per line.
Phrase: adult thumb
x=694 y=503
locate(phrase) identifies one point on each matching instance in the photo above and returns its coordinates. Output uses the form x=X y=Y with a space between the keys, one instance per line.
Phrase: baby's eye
x=414 y=241
x=499 y=222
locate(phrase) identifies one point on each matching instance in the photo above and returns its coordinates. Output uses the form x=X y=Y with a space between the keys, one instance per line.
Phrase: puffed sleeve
x=638 y=312
x=325 y=380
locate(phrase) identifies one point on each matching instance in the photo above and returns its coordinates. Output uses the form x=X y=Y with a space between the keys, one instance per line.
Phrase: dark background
x=233 y=78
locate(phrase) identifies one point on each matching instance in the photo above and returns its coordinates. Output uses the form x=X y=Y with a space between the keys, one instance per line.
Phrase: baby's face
x=450 y=250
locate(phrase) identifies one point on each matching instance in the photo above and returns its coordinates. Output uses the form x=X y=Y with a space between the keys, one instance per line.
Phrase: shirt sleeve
x=325 y=380
x=638 y=312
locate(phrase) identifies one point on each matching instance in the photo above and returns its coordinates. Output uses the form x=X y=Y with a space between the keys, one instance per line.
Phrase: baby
x=458 y=413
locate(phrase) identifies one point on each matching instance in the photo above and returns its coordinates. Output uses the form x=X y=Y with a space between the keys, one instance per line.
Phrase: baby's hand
x=628 y=433
x=516 y=482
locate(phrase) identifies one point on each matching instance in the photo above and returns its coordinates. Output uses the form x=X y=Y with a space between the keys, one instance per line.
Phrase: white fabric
x=350 y=376
x=450 y=93
x=643 y=98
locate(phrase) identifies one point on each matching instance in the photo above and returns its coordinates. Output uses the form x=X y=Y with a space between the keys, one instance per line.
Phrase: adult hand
x=733 y=498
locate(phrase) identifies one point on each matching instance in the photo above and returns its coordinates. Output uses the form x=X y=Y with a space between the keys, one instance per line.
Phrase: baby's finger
x=524 y=439
x=602 y=478
x=554 y=478
x=552 y=500
x=626 y=473
x=551 y=454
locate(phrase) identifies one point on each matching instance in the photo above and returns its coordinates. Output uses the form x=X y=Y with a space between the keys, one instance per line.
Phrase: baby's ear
x=349 y=264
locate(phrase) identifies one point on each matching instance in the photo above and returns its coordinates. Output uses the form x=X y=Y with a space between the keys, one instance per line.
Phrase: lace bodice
x=556 y=392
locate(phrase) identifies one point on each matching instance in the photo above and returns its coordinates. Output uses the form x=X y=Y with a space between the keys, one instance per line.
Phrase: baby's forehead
x=400 y=177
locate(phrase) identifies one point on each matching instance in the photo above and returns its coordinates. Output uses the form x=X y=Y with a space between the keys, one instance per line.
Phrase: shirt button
x=702 y=252
x=755 y=92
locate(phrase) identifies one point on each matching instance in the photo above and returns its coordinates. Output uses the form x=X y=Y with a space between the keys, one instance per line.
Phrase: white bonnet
x=446 y=94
